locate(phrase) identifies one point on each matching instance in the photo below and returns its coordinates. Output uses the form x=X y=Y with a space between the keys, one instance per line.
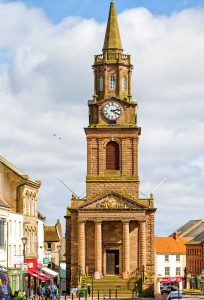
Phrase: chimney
x=175 y=235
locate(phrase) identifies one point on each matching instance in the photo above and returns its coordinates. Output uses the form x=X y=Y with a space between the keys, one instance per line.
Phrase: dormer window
x=124 y=83
x=112 y=82
x=101 y=83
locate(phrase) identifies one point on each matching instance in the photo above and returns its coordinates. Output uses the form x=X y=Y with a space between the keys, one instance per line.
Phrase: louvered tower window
x=101 y=83
x=112 y=82
x=112 y=156
x=124 y=83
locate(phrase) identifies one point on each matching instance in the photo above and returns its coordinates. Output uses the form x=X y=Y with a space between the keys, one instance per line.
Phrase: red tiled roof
x=50 y=234
x=170 y=245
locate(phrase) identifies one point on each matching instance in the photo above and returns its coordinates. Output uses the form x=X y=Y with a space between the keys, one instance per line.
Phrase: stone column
x=142 y=244
x=98 y=249
x=126 y=249
x=81 y=246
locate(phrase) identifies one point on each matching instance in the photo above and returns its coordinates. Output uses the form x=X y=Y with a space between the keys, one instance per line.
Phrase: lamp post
x=142 y=271
x=185 y=277
x=24 y=241
x=58 y=249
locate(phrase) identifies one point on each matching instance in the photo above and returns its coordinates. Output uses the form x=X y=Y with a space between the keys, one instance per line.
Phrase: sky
x=46 y=52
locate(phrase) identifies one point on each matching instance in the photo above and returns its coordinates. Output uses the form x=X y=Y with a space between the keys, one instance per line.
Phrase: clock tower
x=113 y=134
x=111 y=230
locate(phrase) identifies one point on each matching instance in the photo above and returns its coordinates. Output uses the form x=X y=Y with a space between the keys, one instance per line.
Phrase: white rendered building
x=170 y=261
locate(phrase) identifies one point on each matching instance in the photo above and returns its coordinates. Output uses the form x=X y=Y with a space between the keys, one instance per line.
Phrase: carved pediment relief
x=112 y=201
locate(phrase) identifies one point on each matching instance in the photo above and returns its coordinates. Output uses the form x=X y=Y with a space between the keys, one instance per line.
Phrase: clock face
x=112 y=110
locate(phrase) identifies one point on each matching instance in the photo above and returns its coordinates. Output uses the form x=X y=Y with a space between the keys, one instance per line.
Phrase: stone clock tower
x=111 y=230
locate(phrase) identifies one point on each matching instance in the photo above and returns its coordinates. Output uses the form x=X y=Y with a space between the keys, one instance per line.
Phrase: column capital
x=126 y=221
x=98 y=221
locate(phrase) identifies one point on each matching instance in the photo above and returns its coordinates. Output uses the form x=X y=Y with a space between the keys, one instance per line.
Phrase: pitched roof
x=4 y=204
x=191 y=228
x=25 y=177
x=167 y=245
x=199 y=239
x=112 y=37
x=50 y=234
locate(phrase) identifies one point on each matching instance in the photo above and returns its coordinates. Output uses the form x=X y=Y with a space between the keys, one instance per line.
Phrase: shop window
x=166 y=257
x=112 y=82
x=178 y=258
x=178 y=271
x=167 y=271
x=112 y=156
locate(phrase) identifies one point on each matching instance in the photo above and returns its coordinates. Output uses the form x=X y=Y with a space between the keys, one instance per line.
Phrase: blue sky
x=46 y=80
x=56 y=10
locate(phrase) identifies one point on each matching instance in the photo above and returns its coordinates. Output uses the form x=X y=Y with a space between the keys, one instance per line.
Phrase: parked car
x=175 y=295
x=168 y=289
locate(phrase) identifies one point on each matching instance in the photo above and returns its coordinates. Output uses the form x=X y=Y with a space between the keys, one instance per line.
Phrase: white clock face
x=112 y=110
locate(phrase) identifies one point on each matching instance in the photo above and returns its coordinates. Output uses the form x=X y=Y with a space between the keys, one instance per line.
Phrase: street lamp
x=143 y=278
x=24 y=241
x=185 y=277
x=58 y=249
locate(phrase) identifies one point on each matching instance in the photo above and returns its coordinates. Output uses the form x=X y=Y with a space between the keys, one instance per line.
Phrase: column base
x=97 y=275
x=125 y=275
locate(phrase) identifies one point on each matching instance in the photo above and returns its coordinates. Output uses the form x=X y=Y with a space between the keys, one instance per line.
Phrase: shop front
x=35 y=276
x=171 y=281
x=15 y=276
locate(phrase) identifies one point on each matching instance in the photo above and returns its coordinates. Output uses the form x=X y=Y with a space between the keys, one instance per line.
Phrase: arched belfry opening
x=112 y=156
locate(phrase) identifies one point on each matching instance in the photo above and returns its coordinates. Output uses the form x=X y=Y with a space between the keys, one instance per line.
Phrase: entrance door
x=112 y=262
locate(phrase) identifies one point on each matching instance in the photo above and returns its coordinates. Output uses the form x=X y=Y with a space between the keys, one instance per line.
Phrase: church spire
x=112 y=37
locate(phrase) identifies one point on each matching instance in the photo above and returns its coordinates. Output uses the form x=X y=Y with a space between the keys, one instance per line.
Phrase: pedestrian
x=47 y=292
x=52 y=289
x=56 y=292
x=39 y=291
x=89 y=289
x=20 y=294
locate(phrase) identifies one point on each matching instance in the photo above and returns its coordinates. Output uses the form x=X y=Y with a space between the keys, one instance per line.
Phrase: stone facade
x=111 y=231
x=20 y=193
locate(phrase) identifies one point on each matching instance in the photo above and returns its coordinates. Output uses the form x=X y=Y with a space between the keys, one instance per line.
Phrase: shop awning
x=47 y=277
x=50 y=272
x=33 y=274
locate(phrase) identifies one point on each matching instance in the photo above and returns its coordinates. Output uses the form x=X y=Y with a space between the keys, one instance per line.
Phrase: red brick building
x=111 y=231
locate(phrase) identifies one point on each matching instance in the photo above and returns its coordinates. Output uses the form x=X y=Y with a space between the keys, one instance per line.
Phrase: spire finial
x=112 y=37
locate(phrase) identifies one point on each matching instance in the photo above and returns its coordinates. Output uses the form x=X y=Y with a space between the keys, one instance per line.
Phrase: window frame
x=167 y=271
x=2 y=233
x=101 y=81
x=166 y=257
x=124 y=83
x=112 y=82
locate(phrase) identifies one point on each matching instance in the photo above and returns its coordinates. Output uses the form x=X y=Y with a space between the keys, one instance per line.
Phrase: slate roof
x=191 y=228
x=167 y=245
x=199 y=239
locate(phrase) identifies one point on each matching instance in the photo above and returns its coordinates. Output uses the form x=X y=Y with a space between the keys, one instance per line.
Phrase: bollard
x=109 y=294
x=98 y=294
x=79 y=295
x=116 y=293
x=65 y=296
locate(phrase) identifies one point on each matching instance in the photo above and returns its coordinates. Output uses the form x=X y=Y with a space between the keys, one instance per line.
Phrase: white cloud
x=46 y=80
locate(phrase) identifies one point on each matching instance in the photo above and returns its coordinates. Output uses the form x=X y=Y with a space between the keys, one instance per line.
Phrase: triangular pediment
x=113 y=201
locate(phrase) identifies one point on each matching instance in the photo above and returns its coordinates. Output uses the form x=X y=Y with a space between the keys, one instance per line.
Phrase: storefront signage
x=46 y=261
x=18 y=259
x=170 y=279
